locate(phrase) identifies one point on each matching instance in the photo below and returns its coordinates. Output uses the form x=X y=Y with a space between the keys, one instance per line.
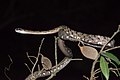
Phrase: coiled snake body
x=65 y=33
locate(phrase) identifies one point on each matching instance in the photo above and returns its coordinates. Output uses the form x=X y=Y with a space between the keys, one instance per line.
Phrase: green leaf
x=112 y=57
x=104 y=67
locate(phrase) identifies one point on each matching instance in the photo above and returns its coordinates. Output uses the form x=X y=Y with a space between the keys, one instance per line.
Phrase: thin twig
x=85 y=77
x=93 y=66
x=40 y=45
x=37 y=56
x=30 y=58
x=56 y=52
x=38 y=67
x=8 y=68
x=115 y=33
x=34 y=64
x=97 y=70
x=111 y=48
x=56 y=63
x=28 y=67
x=76 y=59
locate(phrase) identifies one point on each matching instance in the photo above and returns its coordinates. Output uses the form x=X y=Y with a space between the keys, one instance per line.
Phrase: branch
x=94 y=63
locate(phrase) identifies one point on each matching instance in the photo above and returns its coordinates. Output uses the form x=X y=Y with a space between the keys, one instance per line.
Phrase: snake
x=65 y=33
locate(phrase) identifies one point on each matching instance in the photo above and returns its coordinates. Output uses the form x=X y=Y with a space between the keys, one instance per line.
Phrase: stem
x=56 y=63
x=109 y=40
x=93 y=67
x=56 y=52
x=111 y=48
x=94 y=63
x=37 y=57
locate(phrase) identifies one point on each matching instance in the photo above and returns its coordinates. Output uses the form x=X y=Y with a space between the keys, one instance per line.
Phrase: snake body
x=68 y=53
x=88 y=39
x=65 y=33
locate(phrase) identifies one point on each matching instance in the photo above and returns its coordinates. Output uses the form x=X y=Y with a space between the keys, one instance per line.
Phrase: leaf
x=112 y=57
x=46 y=63
x=89 y=52
x=104 y=67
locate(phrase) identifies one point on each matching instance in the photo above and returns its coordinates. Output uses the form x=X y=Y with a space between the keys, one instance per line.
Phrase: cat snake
x=65 y=33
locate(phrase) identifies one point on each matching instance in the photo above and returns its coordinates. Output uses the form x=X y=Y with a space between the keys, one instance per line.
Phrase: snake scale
x=65 y=33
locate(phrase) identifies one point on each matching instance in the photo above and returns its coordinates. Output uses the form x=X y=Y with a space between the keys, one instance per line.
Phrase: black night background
x=88 y=16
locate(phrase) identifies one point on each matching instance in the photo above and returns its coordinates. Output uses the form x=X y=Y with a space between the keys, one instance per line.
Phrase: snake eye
x=18 y=29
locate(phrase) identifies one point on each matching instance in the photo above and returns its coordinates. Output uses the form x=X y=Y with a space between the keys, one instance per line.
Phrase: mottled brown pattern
x=65 y=33
x=89 y=39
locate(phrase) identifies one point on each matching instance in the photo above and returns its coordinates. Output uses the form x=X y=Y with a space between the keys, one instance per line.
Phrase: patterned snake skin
x=54 y=69
x=65 y=33
x=89 y=39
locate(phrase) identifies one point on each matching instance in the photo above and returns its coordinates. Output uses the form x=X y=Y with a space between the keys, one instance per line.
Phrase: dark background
x=88 y=16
